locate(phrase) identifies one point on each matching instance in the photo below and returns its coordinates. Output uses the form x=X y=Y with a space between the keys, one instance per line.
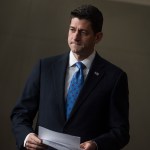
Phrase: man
x=99 y=111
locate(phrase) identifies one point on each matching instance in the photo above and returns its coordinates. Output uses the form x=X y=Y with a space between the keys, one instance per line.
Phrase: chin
x=76 y=51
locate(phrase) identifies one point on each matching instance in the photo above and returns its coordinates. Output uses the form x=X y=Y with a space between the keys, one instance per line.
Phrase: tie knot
x=80 y=65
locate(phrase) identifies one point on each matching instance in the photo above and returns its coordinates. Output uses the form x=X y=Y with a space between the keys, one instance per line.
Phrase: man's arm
x=23 y=114
x=118 y=135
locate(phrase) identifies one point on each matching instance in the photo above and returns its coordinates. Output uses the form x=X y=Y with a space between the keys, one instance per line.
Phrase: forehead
x=80 y=23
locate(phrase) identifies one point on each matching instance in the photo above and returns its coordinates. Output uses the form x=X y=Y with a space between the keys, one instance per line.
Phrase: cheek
x=88 y=41
x=69 y=37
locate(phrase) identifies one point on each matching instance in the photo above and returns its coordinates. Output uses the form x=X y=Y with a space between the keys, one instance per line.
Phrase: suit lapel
x=59 y=83
x=95 y=75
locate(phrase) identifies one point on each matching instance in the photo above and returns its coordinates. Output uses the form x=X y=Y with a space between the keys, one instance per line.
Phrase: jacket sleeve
x=23 y=113
x=118 y=135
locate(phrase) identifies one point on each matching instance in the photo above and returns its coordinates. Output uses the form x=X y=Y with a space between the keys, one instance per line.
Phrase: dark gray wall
x=32 y=29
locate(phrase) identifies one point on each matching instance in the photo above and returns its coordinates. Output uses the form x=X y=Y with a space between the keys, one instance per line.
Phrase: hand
x=34 y=143
x=88 y=145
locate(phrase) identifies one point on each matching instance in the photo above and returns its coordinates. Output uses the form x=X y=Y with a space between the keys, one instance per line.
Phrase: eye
x=83 y=32
x=72 y=29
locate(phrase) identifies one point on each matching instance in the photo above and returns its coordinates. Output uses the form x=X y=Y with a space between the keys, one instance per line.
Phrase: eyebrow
x=79 y=29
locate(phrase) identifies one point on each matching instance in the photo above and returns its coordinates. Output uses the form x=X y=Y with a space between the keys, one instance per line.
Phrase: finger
x=33 y=142
x=88 y=145
x=34 y=138
x=82 y=145
x=32 y=146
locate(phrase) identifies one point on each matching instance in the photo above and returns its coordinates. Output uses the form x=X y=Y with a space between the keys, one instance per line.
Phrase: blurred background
x=33 y=29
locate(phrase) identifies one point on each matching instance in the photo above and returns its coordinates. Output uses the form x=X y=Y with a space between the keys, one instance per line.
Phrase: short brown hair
x=90 y=13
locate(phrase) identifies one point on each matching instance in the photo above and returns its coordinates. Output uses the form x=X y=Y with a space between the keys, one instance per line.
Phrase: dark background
x=33 y=29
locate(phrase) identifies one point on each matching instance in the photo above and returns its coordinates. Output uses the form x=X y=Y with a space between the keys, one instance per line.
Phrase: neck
x=81 y=57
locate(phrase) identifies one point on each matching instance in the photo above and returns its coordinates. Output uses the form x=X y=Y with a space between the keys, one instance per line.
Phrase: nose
x=77 y=36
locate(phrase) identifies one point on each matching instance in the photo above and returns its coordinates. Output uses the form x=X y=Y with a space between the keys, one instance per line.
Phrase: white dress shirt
x=72 y=68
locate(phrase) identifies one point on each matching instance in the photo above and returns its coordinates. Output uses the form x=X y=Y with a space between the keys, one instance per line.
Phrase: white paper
x=58 y=140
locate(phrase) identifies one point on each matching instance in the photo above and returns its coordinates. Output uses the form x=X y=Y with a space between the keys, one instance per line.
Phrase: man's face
x=81 y=38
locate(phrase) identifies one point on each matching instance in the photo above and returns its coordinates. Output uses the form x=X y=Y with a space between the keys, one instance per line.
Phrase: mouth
x=76 y=43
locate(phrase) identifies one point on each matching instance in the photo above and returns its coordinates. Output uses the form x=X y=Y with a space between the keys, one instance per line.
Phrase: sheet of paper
x=58 y=140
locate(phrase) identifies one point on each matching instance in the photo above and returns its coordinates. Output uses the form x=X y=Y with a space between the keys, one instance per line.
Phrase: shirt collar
x=87 y=62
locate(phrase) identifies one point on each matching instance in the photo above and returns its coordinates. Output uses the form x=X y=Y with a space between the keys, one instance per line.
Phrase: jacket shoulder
x=54 y=59
x=107 y=65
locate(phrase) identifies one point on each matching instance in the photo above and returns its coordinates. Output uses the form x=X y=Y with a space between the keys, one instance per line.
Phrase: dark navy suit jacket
x=100 y=112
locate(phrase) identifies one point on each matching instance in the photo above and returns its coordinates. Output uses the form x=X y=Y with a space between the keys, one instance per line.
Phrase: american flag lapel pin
x=96 y=73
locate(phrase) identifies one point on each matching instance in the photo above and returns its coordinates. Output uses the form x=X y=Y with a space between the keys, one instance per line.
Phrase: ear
x=98 y=37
